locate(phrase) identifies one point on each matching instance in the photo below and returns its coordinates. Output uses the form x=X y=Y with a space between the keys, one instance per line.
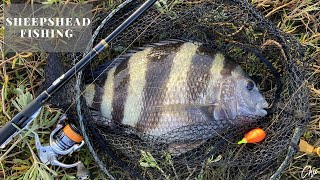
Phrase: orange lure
x=253 y=136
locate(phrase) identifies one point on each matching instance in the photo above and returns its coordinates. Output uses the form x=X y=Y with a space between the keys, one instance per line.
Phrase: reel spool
x=64 y=140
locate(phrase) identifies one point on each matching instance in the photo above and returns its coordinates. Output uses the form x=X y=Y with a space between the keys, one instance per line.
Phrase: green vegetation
x=22 y=73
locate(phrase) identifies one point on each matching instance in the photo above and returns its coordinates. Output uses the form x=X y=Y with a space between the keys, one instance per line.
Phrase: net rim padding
x=296 y=134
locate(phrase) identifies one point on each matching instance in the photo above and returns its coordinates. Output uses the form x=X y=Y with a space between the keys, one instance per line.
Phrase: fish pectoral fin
x=177 y=148
x=219 y=113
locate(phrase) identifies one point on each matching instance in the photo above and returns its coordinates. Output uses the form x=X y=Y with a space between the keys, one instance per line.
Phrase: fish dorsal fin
x=151 y=45
x=109 y=64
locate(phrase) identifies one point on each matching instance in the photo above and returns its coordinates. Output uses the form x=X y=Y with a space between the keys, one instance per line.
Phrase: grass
x=20 y=76
x=22 y=73
x=301 y=18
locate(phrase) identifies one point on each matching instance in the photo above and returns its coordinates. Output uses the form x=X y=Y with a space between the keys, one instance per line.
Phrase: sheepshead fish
x=172 y=85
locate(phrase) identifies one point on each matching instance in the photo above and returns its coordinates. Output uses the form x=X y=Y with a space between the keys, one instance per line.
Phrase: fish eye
x=250 y=85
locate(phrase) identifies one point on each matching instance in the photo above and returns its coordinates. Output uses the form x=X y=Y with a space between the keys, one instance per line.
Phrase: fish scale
x=175 y=85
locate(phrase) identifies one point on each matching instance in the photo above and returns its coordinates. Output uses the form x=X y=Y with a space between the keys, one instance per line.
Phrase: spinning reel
x=64 y=140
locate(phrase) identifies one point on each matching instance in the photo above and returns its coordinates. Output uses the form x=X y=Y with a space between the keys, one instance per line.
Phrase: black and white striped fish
x=172 y=85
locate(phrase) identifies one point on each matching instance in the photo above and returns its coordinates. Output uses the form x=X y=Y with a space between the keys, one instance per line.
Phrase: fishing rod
x=30 y=112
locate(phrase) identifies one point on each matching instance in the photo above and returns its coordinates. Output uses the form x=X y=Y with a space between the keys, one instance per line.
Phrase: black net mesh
x=233 y=27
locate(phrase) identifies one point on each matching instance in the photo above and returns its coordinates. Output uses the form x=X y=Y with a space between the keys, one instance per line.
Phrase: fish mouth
x=261 y=108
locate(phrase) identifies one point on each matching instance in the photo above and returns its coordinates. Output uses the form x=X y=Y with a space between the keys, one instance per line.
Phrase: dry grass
x=300 y=18
x=20 y=76
x=18 y=70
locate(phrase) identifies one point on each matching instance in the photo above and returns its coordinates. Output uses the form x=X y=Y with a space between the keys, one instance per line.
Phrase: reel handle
x=54 y=162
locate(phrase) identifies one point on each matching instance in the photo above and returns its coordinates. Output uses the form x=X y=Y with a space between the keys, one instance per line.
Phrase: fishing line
x=274 y=72
x=102 y=24
x=278 y=82
x=106 y=147
x=113 y=63
x=290 y=99
x=249 y=158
